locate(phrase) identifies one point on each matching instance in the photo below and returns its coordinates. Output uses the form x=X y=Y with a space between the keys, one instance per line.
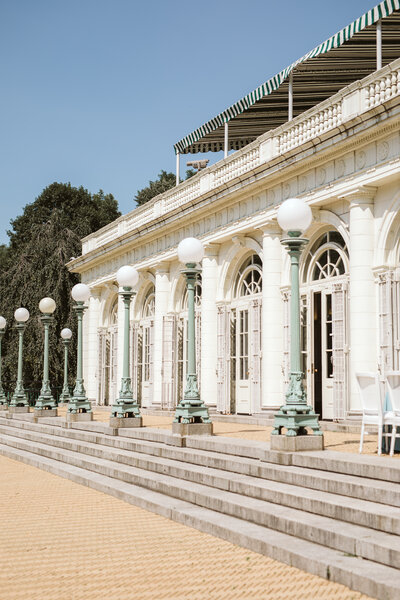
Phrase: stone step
x=335 y=483
x=208 y=488
x=371 y=578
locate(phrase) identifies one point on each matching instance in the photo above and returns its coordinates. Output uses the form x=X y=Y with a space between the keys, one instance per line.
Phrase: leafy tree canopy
x=165 y=182
x=42 y=240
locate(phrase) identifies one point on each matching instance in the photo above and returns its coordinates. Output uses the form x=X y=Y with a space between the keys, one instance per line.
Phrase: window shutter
x=168 y=361
x=198 y=347
x=255 y=357
x=101 y=367
x=223 y=359
x=134 y=347
x=387 y=287
x=339 y=350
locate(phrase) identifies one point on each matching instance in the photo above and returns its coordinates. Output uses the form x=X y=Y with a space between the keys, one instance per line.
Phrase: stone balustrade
x=348 y=103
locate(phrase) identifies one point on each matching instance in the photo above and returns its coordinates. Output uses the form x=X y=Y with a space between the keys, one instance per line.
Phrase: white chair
x=393 y=389
x=372 y=406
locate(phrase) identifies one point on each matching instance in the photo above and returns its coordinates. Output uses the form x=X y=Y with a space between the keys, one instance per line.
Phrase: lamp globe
x=127 y=276
x=47 y=306
x=21 y=315
x=3 y=322
x=294 y=215
x=66 y=334
x=80 y=292
x=190 y=250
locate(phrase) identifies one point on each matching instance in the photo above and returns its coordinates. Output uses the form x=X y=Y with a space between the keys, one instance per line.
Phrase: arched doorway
x=143 y=346
x=108 y=357
x=245 y=336
x=324 y=324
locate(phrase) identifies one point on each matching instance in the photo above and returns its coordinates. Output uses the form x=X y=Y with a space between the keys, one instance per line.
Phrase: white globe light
x=294 y=215
x=3 y=322
x=80 y=292
x=190 y=250
x=66 y=334
x=47 y=306
x=127 y=276
x=21 y=315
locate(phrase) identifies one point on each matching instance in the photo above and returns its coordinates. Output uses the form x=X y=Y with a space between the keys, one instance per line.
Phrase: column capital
x=162 y=269
x=364 y=194
x=211 y=250
x=270 y=227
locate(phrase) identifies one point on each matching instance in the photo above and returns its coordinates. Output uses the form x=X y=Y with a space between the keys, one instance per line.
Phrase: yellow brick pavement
x=63 y=541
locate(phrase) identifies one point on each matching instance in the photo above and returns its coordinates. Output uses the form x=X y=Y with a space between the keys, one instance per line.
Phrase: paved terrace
x=63 y=541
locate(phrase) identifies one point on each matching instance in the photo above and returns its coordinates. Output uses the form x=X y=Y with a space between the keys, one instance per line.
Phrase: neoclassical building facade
x=342 y=156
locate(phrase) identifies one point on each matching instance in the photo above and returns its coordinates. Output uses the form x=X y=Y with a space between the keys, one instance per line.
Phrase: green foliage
x=43 y=239
x=165 y=182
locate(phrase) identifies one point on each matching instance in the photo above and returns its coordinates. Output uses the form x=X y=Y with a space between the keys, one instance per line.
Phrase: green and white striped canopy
x=345 y=57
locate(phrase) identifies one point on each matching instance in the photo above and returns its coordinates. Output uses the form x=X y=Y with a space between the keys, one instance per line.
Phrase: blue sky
x=96 y=92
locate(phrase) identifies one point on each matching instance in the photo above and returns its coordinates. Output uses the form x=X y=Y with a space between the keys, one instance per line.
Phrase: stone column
x=162 y=293
x=272 y=319
x=362 y=293
x=208 y=375
x=91 y=322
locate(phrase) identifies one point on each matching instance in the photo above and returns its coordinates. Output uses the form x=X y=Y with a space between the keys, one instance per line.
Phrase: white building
x=326 y=129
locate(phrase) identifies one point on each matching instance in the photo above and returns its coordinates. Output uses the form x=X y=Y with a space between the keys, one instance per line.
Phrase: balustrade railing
x=360 y=96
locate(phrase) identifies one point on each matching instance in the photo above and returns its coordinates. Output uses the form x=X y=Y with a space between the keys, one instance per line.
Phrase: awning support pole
x=177 y=167
x=290 y=111
x=378 y=45
x=225 y=139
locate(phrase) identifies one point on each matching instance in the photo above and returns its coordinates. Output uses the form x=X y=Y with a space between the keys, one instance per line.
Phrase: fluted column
x=272 y=319
x=91 y=345
x=162 y=292
x=208 y=375
x=362 y=293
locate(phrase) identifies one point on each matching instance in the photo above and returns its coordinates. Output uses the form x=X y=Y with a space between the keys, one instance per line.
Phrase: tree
x=42 y=240
x=165 y=182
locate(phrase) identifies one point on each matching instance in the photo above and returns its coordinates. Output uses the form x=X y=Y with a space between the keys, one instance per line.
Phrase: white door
x=243 y=404
x=147 y=365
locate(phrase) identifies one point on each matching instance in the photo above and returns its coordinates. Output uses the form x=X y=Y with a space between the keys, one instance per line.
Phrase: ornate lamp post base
x=79 y=407
x=191 y=414
x=3 y=401
x=45 y=405
x=125 y=412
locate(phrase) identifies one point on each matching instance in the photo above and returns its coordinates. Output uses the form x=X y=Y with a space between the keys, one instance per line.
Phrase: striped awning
x=345 y=57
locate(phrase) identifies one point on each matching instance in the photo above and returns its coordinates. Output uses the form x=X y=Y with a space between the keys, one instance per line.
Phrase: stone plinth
x=297 y=443
x=45 y=412
x=126 y=422
x=76 y=417
x=192 y=428
x=18 y=409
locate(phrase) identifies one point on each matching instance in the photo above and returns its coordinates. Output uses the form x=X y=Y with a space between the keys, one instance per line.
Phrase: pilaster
x=91 y=322
x=362 y=293
x=162 y=292
x=209 y=311
x=272 y=318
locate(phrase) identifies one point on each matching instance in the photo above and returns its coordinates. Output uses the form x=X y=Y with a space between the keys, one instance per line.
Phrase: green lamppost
x=191 y=414
x=79 y=407
x=295 y=216
x=3 y=397
x=45 y=405
x=125 y=410
x=19 y=402
x=66 y=335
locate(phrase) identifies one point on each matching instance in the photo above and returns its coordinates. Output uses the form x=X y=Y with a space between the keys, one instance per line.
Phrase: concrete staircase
x=328 y=513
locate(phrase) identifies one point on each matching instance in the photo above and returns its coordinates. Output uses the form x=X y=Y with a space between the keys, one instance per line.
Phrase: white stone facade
x=343 y=158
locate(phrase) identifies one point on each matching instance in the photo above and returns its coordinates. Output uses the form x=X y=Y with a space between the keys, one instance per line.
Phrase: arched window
x=249 y=277
x=114 y=313
x=149 y=303
x=327 y=258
